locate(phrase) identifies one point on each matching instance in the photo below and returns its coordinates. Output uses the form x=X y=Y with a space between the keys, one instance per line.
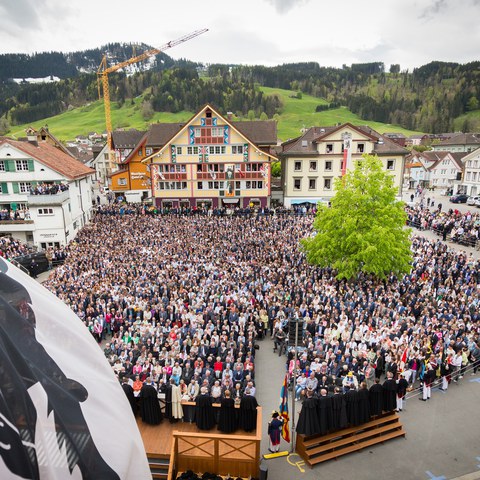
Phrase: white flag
x=63 y=413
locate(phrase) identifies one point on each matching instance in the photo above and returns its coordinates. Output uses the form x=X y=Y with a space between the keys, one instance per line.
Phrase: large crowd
x=185 y=298
x=11 y=248
x=462 y=228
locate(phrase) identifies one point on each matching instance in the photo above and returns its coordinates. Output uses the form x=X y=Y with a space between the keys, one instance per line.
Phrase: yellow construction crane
x=104 y=70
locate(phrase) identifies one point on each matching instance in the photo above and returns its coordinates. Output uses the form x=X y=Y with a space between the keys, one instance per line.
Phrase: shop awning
x=299 y=201
x=230 y=200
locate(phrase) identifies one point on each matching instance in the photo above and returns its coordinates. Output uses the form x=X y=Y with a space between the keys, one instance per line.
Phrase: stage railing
x=223 y=454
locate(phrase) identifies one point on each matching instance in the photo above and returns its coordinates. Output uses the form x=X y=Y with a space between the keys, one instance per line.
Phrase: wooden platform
x=158 y=441
x=320 y=448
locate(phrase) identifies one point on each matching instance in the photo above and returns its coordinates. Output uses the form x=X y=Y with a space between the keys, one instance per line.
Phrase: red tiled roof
x=51 y=157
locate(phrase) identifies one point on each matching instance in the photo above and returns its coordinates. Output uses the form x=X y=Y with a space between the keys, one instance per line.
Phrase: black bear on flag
x=24 y=363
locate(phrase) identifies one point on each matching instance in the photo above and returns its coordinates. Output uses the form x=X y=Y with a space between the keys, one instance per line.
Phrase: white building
x=471 y=177
x=42 y=219
x=447 y=171
x=310 y=163
x=459 y=142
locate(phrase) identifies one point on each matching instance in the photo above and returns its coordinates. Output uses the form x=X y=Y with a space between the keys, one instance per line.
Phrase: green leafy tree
x=364 y=229
x=276 y=169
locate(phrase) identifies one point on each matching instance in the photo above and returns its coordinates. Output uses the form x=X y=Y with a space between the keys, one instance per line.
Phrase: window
x=179 y=150
x=238 y=185
x=45 y=211
x=24 y=187
x=217 y=132
x=2 y=166
x=217 y=150
x=2 y=187
x=360 y=148
x=192 y=150
x=248 y=184
x=390 y=164
x=452 y=171
x=329 y=148
x=443 y=171
x=328 y=165
x=139 y=153
x=237 y=149
x=122 y=181
x=297 y=183
x=313 y=165
x=75 y=225
x=298 y=166
x=312 y=183
x=200 y=185
x=105 y=156
x=21 y=165
x=474 y=176
x=198 y=132
x=148 y=151
x=327 y=183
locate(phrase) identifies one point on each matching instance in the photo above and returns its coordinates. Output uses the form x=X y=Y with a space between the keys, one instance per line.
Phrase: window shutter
x=15 y=187
x=31 y=166
x=4 y=187
x=9 y=165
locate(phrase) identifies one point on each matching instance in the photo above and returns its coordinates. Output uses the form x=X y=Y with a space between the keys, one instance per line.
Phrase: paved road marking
x=433 y=477
x=299 y=464
x=477 y=380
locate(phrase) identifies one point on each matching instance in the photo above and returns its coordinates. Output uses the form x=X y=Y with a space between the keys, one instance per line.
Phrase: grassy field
x=471 y=119
x=297 y=113
x=301 y=113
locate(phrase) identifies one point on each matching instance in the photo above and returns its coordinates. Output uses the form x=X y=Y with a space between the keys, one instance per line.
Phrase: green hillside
x=296 y=114
x=299 y=113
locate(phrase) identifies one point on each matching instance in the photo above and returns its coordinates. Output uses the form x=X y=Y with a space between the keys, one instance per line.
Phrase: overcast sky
x=269 y=32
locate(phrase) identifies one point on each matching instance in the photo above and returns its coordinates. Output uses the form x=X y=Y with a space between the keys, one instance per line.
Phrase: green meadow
x=297 y=114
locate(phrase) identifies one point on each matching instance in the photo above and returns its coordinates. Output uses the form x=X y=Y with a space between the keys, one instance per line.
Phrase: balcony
x=56 y=199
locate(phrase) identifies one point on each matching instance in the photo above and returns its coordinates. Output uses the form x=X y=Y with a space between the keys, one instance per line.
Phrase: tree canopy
x=364 y=229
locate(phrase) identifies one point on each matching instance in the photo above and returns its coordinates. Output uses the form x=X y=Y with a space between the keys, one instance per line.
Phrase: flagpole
x=295 y=322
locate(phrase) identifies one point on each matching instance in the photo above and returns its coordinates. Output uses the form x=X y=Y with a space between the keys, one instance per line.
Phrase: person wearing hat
x=349 y=381
x=402 y=385
x=274 y=429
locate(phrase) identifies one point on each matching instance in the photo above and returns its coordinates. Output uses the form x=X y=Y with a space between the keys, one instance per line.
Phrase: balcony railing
x=56 y=199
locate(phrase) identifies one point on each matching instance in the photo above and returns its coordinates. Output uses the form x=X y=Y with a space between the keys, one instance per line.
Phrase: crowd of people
x=463 y=228
x=11 y=215
x=11 y=248
x=183 y=300
x=48 y=188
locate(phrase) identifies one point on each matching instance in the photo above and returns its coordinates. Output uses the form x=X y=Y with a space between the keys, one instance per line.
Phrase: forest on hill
x=427 y=99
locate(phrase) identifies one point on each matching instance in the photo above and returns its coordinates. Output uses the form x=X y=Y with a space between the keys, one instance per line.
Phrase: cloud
x=433 y=9
x=21 y=13
x=284 y=6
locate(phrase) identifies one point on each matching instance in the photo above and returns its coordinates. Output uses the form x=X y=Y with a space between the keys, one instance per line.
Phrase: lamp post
x=295 y=323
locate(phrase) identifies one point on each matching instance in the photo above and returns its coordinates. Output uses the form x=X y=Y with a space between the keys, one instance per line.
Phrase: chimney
x=230 y=116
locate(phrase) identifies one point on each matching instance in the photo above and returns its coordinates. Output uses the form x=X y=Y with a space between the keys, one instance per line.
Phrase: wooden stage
x=157 y=439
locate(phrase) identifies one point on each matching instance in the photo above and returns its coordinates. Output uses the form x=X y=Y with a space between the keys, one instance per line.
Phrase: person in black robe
x=129 y=394
x=308 y=423
x=363 y=403
x=324 y=411
x=247 y=418
x=339 y=410
x=376 y=398
x=402 y=386
x=204 y=416
x=149 y=404
x=389 y=393
x=351 y=401
x=168 y=402
x=227 y=420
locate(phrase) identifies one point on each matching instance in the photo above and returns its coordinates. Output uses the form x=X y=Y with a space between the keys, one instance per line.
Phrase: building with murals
x=210 y=162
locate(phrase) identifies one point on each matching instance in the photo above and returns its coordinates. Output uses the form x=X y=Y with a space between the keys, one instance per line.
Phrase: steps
x=320 y=448
x=158 y=465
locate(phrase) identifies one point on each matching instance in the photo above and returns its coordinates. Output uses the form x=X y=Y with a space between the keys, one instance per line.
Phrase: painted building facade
x=211 y=162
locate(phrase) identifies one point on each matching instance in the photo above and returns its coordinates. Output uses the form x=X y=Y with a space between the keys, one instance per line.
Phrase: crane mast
x=104 y=70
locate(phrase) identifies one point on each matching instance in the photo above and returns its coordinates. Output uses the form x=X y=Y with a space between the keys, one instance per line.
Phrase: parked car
x=473 y=200
x=459 y=198
x=477 y=203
